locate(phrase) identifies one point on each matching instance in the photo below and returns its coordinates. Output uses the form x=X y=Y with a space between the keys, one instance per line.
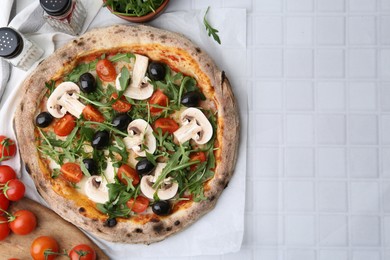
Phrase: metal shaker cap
x=56 y=7
x=11 y=43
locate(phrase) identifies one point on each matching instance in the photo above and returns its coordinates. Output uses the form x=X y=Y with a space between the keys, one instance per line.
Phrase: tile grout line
x=347 y=126
x=315 y=150
x=281 y=224
x=379 y=134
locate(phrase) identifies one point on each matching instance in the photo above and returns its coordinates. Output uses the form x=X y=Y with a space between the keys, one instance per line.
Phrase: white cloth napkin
x=221 y=230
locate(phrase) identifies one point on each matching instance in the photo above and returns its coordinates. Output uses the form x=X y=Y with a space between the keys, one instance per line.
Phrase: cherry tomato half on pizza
x=71 y=172
x=91 y=113
x=159 y=99
x=65 y=125
x=197 y=156
x=166 y=124
x=126 y=172
x=106 y=70
x=121 y=105
x=139 y=205
x=7 y=148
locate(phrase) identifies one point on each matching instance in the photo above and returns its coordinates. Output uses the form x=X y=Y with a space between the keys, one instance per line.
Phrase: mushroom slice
x=166 y=191
x=96 y=190
x=140 y=134
x=139 y=88
x=195 y=125
x=65 y=99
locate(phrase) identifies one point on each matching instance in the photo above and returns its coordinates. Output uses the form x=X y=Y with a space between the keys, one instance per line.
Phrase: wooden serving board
x=49 y=224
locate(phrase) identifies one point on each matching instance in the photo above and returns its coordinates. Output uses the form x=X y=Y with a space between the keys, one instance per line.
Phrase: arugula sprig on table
x=210 y=30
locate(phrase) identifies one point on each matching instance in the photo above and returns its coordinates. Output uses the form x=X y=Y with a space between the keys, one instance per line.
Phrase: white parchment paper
x=221 y=230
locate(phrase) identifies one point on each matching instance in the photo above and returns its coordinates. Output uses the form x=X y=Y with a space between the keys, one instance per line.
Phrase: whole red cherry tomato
x=4 y=228
x=23 y=222
x=4 y=203
x=6 y=174
x=40 y=245
x=82 y=252
x=14 y=190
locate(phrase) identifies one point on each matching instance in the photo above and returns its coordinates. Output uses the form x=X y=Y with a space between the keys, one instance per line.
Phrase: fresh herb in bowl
x=133 y=7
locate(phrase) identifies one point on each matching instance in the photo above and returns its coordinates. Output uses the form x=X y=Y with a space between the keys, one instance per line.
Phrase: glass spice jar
x=18 y=50
x=67 y=16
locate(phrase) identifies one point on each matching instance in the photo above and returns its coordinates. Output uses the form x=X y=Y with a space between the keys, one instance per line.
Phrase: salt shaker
x=67 y=16
x=18 y=50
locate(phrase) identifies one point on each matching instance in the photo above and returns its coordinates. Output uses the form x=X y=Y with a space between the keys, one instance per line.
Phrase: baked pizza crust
x=184 y=56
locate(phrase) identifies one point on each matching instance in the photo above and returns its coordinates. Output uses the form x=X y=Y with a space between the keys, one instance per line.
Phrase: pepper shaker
x=67 y=16
x=18 y=50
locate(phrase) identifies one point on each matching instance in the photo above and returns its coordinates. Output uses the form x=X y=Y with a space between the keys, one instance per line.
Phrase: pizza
x=129 y=132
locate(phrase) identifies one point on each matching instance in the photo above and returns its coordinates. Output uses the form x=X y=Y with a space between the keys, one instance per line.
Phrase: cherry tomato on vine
x=6 y=174
x=71 y=172
x=91 y=113
x=106 y=70
x=129 y=172
x=4 y=203
x=23 y=222
x=14 y=190
x=139 y=205
x=4 y=228
x=65 y=125
x=166 y=124
x=160 y=99
x=7 y=148
x=40 y=245
x=82 y=252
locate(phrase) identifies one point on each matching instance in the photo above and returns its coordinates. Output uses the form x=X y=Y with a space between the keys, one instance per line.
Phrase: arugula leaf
x=186 y=84
x=133 y=7
x=151 y=158
x=51 y=85
x=121 y=150
x=122 y=57
x=84 y=170
x=118 y=194
x=82 y=68
x=99 y=157
x=55 y=173
x=210 y=30
x=129 y=182
x=105 y=126
x=124 y=80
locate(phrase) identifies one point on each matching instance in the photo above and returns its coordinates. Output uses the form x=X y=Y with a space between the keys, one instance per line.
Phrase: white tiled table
x=318 y=184
x=318 y=77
